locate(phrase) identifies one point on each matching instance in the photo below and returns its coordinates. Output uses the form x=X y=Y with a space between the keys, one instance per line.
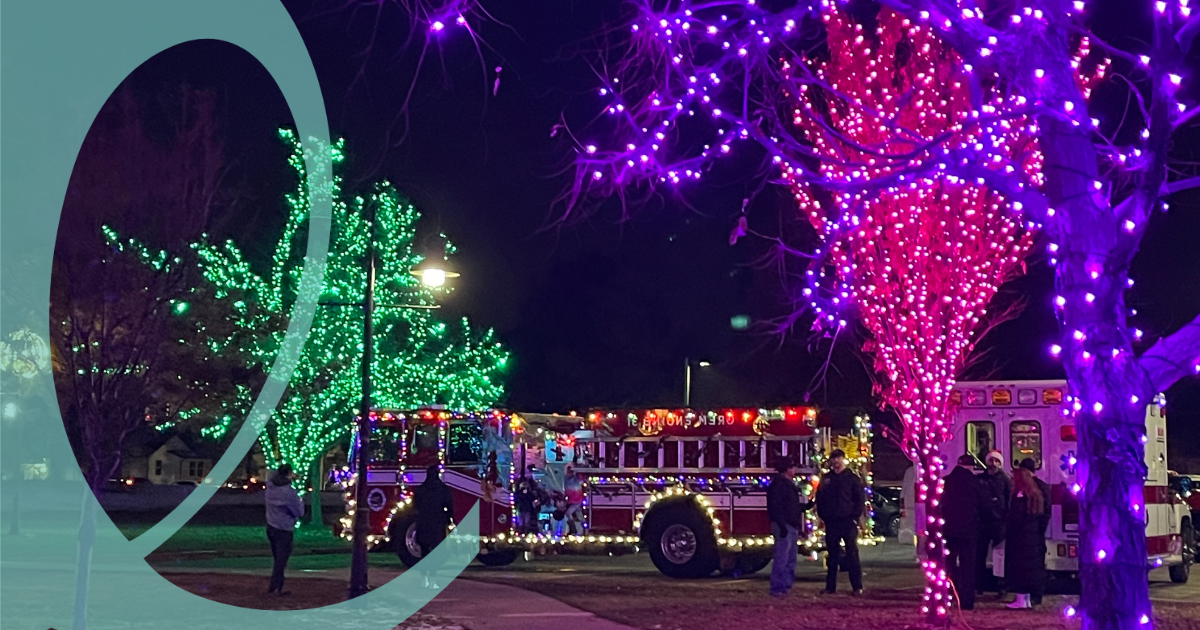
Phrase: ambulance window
x=981 y=438
x=1026 y=442
x=466 y=443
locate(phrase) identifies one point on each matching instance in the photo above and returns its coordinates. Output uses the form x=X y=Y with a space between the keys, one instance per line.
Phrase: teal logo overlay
x=71 y=567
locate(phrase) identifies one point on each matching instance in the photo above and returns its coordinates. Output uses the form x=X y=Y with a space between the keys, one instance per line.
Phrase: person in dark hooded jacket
x=964 y=506
x=435 y=511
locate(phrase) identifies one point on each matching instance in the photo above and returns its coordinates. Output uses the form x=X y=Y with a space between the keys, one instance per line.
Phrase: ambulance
x=1024 y=419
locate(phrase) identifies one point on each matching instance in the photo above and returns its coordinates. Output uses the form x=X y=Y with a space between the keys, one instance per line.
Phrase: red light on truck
x=1066 y=433
x=1052 y=397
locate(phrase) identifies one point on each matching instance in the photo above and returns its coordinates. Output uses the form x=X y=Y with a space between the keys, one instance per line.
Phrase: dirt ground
x=703 y=605
x=247 y=591
x=692 y=605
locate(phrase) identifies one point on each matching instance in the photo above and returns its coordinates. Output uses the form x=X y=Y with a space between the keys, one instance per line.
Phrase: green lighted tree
x=419 y=360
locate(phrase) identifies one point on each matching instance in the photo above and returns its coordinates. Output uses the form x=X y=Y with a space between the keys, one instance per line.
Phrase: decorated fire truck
x=687 y=486
x=1025 y=419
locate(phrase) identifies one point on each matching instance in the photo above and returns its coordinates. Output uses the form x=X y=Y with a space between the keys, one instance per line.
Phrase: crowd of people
x=565 y=508
x=984 y=514
x=990 y=511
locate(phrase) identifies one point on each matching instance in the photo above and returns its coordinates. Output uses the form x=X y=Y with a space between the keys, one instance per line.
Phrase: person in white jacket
x=284 y=508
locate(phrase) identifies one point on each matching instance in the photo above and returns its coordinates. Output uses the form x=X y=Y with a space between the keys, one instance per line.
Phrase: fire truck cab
x=688 y=486
x=1024 y=419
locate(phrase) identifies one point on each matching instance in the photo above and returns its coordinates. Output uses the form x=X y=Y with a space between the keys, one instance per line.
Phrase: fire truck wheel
x=681 y=541
x=403 y=533
x=497 y=558
x=1179 y=573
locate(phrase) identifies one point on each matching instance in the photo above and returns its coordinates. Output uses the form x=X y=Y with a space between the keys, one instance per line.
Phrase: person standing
x=574 y=492
x=841 y=503
x=435 y=511
x=998 y=490
x=526 y=501
x=1025 y=542
x=284 y=508
x=1035 y=596
x=784 y=509
x=964 y=503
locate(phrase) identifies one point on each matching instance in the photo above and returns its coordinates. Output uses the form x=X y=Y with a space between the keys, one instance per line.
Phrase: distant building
x=168 y=459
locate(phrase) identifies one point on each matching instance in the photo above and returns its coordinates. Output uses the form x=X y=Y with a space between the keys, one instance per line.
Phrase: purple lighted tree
x=704 y=80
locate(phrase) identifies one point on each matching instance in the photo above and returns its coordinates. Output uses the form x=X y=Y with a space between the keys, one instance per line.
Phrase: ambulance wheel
x=681 y=540
x=497 y=558
x=403 y=533
x=1179 y=573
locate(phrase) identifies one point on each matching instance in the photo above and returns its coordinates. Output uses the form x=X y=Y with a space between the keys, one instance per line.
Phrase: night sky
x=602 y=311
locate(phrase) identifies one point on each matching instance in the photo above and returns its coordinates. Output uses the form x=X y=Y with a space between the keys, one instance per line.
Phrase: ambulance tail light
x=1073 y=551
x=1062 y=550
x=1067 y=433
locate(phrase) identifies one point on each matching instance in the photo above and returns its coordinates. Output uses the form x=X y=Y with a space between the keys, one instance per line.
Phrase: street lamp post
x=433 y=277
x=687 y=380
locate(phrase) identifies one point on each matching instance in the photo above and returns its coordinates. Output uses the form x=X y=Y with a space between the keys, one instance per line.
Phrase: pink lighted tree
x=922 y=257
x=700 y=81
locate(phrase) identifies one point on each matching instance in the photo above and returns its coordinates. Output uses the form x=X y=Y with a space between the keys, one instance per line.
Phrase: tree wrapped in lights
x=918 y=251
x=419 y=360
x=922 y=257
x=724 y=66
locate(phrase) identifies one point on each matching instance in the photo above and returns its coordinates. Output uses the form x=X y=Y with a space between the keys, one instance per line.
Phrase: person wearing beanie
x=998 y=492
x=841 y=503
x=785 y=511
x=284 y=508
x=964 y=503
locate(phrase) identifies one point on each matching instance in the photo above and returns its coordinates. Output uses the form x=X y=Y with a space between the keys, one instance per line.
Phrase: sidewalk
x=486 y=606
x=472 y=604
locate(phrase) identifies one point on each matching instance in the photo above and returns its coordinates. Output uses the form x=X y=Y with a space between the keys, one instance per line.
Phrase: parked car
x=128 y=484
x=885 y=510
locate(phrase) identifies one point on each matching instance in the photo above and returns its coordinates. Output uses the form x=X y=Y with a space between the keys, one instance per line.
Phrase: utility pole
x=687 y=382
x=362 y=527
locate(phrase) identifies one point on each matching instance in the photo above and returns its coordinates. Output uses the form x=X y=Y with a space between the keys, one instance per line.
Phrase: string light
x=429 y=363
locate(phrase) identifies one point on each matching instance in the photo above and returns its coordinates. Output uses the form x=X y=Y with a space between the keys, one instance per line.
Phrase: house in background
x=168 y=458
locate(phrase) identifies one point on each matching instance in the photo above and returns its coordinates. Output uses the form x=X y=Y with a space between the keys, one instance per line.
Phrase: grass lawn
x=238 y=538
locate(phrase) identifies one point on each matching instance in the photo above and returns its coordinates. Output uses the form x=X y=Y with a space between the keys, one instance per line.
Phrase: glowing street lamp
x=433 y=275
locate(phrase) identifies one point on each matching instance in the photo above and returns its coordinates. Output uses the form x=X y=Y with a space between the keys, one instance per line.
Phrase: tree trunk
x=938 y=602
x=83 y=558
x=314 y=500
x=1109 y=392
